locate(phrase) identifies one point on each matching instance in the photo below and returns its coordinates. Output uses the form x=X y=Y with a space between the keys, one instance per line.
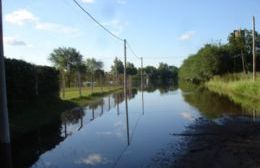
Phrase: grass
x=72 y=94
x=238 y=87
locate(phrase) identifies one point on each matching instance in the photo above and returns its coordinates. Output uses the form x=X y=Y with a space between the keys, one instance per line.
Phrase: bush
x=27 y=82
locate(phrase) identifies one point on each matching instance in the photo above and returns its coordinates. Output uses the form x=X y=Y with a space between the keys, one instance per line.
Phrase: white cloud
x=11 y=41
x=116 y=26
x=88 y=1
x=54 y=27
x=187 y=35
x=20 y=17
x=121 y=2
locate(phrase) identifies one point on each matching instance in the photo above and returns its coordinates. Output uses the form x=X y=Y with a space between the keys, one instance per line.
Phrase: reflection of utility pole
x=102 y=108
x=65 y=129
x=93 y=114
x=117 y=104
x=4 y=123
x=109 y=103
x=254 y=51
x=127 y=120
x=143 y=101
x=81 y=123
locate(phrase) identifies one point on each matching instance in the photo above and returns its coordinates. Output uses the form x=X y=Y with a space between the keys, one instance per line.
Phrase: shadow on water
x=27 y=148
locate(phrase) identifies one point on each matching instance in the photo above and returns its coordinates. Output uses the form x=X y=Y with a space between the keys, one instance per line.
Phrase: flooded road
x=149 y=131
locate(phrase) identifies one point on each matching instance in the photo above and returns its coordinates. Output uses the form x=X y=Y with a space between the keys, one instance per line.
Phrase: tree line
x=217 y=59
x=75 y=71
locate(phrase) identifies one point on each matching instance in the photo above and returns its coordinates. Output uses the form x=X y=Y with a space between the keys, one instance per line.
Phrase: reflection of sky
x=103 y=141
x=93 y=160
x=186 y=115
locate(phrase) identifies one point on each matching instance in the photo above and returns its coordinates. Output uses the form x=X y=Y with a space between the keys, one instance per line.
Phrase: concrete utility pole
x=125 y=93
x=5 y=145
x=125 y=78
x=254 y=51
x=4 y=125
x=142 y=74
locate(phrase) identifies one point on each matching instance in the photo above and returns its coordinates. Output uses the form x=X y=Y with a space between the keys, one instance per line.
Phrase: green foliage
x=219 y=59
x=93 y=65
x=26 y=82
x=118 y=67
x=131 y=69
x=209 y=61
x=163 y=74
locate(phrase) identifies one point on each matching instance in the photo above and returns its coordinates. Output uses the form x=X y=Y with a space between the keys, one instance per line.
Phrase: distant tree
x=131 y=69
x=117 y=68
x=151 y=72
x=65 y=60
x=92 y=66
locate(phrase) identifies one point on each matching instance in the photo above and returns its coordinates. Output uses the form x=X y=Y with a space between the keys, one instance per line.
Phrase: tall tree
x=66 y=60
x=117 y=68
x=92 y=66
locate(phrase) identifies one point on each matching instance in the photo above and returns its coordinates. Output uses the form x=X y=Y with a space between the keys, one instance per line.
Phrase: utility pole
x=125 y=93
x=5 y=145
x=254 y=51
x=125 y=78
x=4 y=125
x=142 y=74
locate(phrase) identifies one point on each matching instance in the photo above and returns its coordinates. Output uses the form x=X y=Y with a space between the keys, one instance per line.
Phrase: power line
x=131 y=49
x=97 y=22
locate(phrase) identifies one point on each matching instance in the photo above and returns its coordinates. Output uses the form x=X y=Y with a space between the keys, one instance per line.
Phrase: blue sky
x=159 y=31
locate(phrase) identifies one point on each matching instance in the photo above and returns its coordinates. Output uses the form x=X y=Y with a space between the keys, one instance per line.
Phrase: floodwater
x=113 y=133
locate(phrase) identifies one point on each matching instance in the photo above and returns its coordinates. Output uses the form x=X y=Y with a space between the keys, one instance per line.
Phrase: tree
x=131 y=69
x=92 y=66
x=65 y=60
x=117 y=68
x=151 y=73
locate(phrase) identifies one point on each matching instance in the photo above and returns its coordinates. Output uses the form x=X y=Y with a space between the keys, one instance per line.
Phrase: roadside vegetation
x=238 y=87
x=227 y=69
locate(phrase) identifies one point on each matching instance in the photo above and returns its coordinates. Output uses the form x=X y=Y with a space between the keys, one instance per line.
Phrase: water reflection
x=212 y=105
x=27 y=148
x=114 y=132
x=5 y=156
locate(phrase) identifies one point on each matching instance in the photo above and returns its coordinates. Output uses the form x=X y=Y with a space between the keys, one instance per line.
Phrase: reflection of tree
x=211 y=104
x=167 y=89
x=163 y=89
x=72 y=116
x=27 y=149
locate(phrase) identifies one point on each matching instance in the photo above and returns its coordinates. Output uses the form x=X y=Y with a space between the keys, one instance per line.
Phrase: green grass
x=72 y=94
x=238 y=87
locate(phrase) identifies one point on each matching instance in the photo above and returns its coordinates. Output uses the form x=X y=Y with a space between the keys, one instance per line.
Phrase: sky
x=159 y=31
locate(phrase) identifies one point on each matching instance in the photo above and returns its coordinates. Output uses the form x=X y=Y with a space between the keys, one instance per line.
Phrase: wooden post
x=254 y=51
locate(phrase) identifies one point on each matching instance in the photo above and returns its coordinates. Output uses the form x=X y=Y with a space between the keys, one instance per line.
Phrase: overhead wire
x=132 y=51
x=96 y=21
